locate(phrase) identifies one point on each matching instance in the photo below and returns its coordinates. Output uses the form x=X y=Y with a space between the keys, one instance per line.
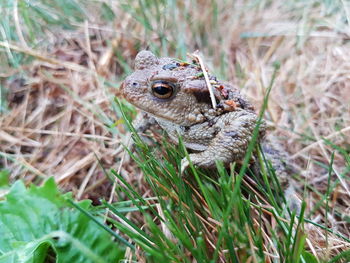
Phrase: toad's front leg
x=231 y=142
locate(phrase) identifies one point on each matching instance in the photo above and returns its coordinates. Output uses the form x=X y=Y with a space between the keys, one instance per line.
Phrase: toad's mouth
x=155 y=113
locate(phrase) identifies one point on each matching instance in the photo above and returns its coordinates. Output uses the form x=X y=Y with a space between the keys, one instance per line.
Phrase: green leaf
x=309 y=258
x=35 y=219
x=4 y=178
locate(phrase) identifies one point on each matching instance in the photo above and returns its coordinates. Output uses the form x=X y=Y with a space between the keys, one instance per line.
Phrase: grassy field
x=61 y=62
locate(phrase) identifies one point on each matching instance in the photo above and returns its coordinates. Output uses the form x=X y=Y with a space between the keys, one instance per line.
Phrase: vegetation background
x=61 y=62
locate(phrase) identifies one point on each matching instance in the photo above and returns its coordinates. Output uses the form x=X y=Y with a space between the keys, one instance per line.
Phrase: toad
x=176 y=96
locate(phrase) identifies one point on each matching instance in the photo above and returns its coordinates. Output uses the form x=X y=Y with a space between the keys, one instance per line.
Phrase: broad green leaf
x=4 y=177
x=35 y=219
x=309 y=258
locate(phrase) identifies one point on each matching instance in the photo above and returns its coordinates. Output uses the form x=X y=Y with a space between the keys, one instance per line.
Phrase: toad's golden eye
x=163 y=89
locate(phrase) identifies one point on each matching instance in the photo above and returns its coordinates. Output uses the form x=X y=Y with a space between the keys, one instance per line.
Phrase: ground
x=59 y=76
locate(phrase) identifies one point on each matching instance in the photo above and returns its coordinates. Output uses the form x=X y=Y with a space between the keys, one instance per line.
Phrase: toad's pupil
x=162 y=89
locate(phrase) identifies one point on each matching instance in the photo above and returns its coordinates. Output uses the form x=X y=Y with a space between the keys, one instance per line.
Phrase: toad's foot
x=184 y=165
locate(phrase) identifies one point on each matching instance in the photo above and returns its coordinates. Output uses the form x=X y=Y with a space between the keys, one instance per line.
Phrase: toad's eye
x=163 y=89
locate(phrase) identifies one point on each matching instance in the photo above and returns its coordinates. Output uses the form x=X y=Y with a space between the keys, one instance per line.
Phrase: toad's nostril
x=135 y=84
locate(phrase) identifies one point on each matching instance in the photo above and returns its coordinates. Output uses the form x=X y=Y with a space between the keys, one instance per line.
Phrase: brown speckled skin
x=213 y=134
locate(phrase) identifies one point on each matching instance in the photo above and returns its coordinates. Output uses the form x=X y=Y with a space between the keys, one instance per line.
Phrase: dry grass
x=61 y=116
x=57 y=125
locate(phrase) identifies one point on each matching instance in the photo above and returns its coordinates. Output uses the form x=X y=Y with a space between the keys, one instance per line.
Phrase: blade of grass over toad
x=110 y=231
x=264 y=163
x=251 y=146
x=268 y=170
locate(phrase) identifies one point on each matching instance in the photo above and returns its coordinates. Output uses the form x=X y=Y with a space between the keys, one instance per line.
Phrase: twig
x=68 y=65
x=205 y=73
x=59 y=133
